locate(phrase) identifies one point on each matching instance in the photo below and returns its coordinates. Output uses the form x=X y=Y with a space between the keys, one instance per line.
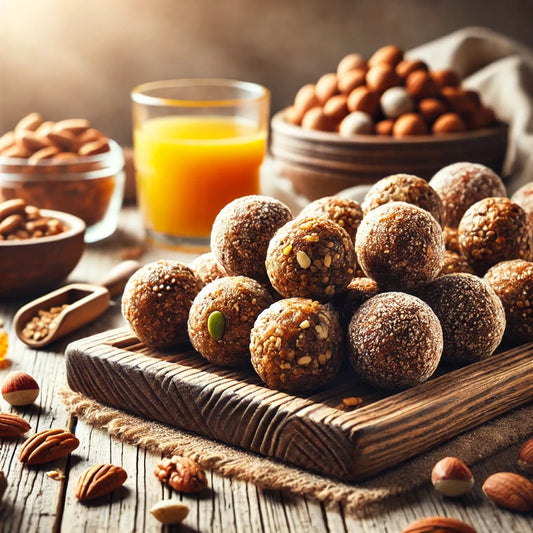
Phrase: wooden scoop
x=84 y=302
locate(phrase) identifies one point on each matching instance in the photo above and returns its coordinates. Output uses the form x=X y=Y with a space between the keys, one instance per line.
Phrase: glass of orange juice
x=198 y=144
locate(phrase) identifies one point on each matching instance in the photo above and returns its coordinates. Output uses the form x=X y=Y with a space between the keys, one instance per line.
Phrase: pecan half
x=47 y=446
x=12 y=425
x=99 y=480
x=181 y=473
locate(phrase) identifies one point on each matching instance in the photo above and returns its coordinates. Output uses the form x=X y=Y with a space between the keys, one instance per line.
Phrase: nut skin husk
x=451 y=477
x=438 y=524
x=169 y=511
x=509 y=490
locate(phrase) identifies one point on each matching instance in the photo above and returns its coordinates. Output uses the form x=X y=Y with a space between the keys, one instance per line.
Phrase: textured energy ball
x=404 y=188
x=513 y=283
x=156 y=302
x=345 y=212
x=359 y=290
x=455 y=263
x=400 y=246
x=312 y=258
x=524 y=198
x=494 y=230
x=296 y=345
x=221 y=318
x=207 y=268
x=241 y=233
x=471 y=315
x=460 y=185
x=394 y=341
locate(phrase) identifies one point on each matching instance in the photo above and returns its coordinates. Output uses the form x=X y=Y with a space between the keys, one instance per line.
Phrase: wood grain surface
x=184 y=390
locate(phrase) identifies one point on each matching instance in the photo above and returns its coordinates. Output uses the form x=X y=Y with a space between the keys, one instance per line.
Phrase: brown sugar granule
x=394 y=341
x=494 y=230
x=296 y=345
x=513 y=283
x=242 y=231
x=221 y=318
x=462 y=184
x=404 y=188
x=312 y=258
x=345 y=212
x=471 y=315
x=156 y=302
x=207 y=268
x=400 y=246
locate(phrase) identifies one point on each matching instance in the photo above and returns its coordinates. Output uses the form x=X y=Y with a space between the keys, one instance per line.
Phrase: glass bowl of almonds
x=67 y=166
x=39 y=247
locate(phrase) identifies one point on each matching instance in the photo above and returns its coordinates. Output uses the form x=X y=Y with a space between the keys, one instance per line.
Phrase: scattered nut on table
x=19 y=388
x=170 y=511
x=525 y=457
x=510 y=491
x=181 y=473
x=451 y=477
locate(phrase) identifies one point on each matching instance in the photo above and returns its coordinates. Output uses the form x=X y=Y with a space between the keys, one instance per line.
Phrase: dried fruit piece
x=19 y=388
x=181 y=473
x=99 y=480
x=12 y=425
x=451 y=477
x=170 y=511
x=525 y=457
x=47 y=446
x=511 y=491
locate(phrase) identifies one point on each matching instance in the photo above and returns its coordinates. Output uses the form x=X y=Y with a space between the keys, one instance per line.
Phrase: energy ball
x=471 y=315
x=394 y=341
x=404 y=188
x=156 y=302
x=494 y=230
x=345 y=212
x=359 y=290
x=207 y=268
x=400 y=246
x=455 y=263
x=221 y=318
x=462 y=184
x=312 y=258
x=513 y=283
x=241 y=233
x=296 y=345
x=524 y=198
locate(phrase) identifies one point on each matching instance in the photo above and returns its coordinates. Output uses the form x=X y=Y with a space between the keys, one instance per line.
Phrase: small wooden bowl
x=31 y=266
x=320 y=163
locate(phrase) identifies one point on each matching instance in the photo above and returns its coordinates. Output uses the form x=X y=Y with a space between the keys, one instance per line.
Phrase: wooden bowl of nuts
x=376 y=117
x=39 y=248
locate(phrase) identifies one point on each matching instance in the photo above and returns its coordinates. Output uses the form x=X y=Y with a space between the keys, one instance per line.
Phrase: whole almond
x=363 y=99
x=336 y=107
x=446 y=78
x=16 y=206
x=326 y=87
x=385 y=127
x=406 y=66
x=18 y=151
x=431 y=108
x=409 y=124
x=509 y=490
x=95 y=147
x=30 y=141
x=525 y=457
x=12 y=425
x=29 y=122
x=64 y=139
x=350 y=62
x=10 y=224
x=169 y=511
x=44 y=153
x=306 y=98
x=99 y=480
x=47 y=445
x=293 y=115
x=449 y=123
x=74 y=125
x=381 y=77
x=438 y=524
x=420 y=84
x=316 y=119
x=7 y=140
x=389 y=54
x=348 y=81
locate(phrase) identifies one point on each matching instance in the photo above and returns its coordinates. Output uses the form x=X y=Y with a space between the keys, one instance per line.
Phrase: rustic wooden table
x=35 y=502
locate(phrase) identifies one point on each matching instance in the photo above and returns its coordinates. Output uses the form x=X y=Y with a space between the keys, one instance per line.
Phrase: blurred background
x=72 y=58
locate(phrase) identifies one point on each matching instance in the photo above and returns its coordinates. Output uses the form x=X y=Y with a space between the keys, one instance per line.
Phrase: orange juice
x=189 y=167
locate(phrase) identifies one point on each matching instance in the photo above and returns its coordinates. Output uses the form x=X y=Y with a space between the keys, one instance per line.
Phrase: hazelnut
x=363 y=99
x=525 y=457
x=350 y=62
x=451 y=477
x=446 y=78
x=306 y=98
x=336 y=107
x=431 y=108
x=348 y=81
x=406 y=66
x=381 y=77
x=384 y=127
x=356 y=123
x=326 y=87
x=19 y=388
x=395 y=102
x=315 y=119
x=420 y=84
x=409 y=124
x=449 y=123
x=389 y=54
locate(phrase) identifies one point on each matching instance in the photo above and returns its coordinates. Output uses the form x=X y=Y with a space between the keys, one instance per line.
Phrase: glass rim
x=257 y=92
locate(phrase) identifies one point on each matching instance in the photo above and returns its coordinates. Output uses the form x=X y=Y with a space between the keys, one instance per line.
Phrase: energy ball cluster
x=388 y=94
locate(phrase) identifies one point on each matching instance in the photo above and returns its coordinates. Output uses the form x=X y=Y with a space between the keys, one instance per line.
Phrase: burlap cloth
x=502 y=71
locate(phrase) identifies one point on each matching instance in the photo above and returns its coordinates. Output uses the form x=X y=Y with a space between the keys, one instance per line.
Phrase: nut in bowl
x=64 y=166
x=33 y=264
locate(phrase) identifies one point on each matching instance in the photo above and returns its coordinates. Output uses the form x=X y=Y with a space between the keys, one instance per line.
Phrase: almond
x=435 y=524
x=47 y=445
x=19 y=388
x=7 y=140
x=446 y=78
x=420 y=84
x=336 y=107
x=509 y=490
x=449 y=123
x=316 y=119
x=169 y=511
x=351 y=79
x=350 y=62
x=451 y=477
x=293 y=115
x=74 y=125
x=431 y=108
x=12 y=425
x=326 y=87
x=363 y=99
x=409 y=124
x=381 y=77
x=406 y=66
x=389 y=54
x=95 y=147
x=30 y=122
x=98 y=481
x=525 y=457
x=306 y=98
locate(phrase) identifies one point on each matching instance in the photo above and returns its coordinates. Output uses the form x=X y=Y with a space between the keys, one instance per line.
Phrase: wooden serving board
x=310 y=431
